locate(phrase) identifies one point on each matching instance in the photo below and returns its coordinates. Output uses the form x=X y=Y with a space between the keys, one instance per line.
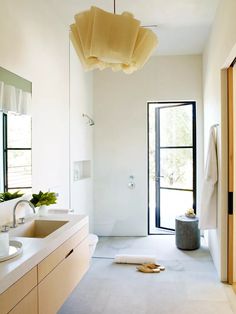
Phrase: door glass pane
x=19 y=168
x=176 y=165
x=172 y=204
x=176 y=126
x=18 y=131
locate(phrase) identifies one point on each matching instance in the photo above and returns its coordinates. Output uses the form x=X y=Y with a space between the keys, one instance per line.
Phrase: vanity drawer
x=28 y=305
x=15 y=293
x=51 y=261
x=56 y=287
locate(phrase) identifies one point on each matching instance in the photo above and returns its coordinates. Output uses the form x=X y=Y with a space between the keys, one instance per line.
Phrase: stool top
x=186 y=219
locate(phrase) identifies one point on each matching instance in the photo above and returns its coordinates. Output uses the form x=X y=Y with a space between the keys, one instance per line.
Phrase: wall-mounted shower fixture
x=131 y=183
x=90 y=120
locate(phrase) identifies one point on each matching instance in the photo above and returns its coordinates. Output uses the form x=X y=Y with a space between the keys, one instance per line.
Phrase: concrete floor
x=189 y=284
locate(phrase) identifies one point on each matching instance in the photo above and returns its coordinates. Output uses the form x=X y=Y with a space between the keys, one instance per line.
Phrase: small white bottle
x=4 y=242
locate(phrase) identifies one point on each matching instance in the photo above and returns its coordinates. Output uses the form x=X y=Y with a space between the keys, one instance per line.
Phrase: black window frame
x=5 y=157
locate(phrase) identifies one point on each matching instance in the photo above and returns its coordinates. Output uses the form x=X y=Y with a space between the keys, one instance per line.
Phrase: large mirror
x=15 y=133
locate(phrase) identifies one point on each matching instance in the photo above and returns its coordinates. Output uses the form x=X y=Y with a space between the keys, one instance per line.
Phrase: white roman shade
x=9 y=98
x=14 y=99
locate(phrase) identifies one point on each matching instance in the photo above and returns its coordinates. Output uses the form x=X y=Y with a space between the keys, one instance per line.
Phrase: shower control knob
x=131 y=185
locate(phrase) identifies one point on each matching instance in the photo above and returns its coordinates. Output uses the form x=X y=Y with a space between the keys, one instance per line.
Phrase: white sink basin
x=37 y=228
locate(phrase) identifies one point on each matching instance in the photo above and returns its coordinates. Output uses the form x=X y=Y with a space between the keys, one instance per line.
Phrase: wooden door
x=231 y=95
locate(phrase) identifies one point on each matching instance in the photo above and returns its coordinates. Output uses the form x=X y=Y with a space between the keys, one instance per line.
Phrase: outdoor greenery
x=7 y=196
x=176 y=164
x=40 y=199
x=175 y=130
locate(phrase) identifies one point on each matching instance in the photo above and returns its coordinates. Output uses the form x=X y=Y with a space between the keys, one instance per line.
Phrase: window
x=17 y=159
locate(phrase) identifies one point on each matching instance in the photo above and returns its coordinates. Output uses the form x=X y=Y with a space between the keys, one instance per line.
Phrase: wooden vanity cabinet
x=45 y=288
x=61 y=271
x=54 y=289
x=57 y=256
x=28 y=305
x=18 y=291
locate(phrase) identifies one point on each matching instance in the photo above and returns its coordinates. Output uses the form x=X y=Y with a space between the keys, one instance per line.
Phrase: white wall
x=218 y=55
x=35 y=45
x=120 y=142
x=81 y=135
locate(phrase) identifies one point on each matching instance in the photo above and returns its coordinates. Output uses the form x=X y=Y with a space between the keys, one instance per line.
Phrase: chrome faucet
x=14 y=210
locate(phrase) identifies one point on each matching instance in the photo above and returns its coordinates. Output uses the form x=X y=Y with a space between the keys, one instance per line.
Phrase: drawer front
x=51 y=261
x=14 y=294
x=29 y=305
x=56 y=287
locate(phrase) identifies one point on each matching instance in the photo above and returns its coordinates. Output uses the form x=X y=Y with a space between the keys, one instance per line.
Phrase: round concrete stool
x=187 y=234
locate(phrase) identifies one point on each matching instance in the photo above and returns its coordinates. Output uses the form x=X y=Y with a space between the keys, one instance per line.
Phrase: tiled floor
x=189 y=284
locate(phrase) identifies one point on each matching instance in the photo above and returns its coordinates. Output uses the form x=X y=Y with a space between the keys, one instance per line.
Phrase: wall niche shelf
x=81 y=170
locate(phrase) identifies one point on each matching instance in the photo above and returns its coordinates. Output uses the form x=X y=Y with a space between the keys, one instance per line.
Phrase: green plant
x=40 y=199
x=7 y=196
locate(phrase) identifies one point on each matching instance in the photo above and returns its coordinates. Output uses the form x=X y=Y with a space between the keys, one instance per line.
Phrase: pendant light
x=103 y=39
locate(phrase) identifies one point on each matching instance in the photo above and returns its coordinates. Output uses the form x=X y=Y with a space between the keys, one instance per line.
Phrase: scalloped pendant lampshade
x=103 y=39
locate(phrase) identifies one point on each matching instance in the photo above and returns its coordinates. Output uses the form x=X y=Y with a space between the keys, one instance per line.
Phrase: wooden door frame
x=231 y=227
x=231 y=80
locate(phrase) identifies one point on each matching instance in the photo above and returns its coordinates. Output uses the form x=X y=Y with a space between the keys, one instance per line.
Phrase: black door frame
x=168 y=104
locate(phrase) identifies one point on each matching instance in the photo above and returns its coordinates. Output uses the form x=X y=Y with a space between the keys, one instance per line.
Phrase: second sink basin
x=37 y=228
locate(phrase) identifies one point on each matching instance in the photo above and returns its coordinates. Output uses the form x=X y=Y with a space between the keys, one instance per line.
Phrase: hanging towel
x=208 y=212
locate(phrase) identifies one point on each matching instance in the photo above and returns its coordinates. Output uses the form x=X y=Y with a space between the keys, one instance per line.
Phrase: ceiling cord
x=145 y=26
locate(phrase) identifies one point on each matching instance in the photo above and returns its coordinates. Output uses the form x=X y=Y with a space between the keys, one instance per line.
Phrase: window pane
x=172 y=204
x=176 y=126
x=177 y=168
x=18 y=131
x=19 y=168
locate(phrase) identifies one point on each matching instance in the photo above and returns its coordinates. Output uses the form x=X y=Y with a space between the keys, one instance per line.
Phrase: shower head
x=90 y=120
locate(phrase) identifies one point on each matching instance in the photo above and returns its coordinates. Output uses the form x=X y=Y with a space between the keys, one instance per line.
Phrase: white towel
x=134 y=259
x=208 y=209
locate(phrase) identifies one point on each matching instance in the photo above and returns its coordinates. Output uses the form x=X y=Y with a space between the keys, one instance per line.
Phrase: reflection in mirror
x=15 y=133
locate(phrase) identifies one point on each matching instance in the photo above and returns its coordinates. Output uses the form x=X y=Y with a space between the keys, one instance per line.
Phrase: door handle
x=158 y=177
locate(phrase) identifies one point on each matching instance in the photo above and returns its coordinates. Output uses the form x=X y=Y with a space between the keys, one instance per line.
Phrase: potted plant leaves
x=42 y=200
x=7 y=196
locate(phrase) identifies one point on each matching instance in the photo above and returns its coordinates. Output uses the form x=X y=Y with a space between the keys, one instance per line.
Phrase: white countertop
x=36 y=249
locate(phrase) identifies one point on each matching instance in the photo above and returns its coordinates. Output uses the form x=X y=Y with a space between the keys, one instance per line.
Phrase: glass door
x=175 y=162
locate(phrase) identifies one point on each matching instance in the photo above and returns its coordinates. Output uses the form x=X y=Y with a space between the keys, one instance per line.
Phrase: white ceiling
x=183 y=25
